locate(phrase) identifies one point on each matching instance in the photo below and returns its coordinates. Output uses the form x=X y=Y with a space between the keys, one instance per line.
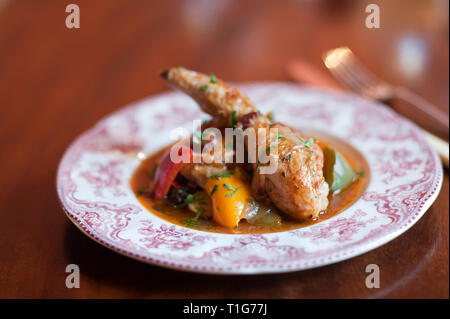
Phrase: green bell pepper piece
x=338 y=172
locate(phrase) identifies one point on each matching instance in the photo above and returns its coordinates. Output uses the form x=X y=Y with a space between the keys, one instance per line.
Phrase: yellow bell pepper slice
x=229 y=195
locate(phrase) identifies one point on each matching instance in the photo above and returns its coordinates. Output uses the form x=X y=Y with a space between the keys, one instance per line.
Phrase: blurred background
x=56 y=82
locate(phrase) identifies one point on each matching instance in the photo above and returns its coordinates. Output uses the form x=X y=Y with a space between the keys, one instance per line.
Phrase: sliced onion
x=261 y=214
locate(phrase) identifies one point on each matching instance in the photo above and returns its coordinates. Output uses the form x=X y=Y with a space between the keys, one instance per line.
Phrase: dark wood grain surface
x=55 y=83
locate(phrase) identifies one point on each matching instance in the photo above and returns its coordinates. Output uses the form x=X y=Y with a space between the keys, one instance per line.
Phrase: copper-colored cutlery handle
x=306 y=73
x=439 y=117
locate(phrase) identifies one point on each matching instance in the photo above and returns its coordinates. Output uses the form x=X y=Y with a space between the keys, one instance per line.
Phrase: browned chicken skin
x=297 y=186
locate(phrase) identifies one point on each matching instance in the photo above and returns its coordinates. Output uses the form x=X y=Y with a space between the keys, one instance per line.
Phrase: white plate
x=93 y=184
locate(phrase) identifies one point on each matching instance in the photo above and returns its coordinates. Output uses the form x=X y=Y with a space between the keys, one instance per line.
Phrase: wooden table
x=57 y=82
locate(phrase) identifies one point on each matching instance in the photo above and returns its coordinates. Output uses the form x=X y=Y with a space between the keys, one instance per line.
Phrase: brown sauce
x=177 y=215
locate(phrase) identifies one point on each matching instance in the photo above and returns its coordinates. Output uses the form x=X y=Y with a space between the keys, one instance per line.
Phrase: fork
x=346 y=69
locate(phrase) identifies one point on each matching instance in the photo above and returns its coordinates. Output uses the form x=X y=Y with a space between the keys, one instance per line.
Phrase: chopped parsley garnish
x=196 y=197
x=204 y=87
x=268 y=148
x=215 y=188
x=232 y=194
x=192 y=222
x=234 y=190
x=189 y=199
x=219 y=176
x=143 y=191
x=307 y=143
x=252 y=201
x=233 y=120
x=228 y=187
x=279 y=137
x=213 y=78
x=270 y=116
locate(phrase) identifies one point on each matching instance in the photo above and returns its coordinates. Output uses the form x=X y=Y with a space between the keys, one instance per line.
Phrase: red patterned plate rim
x=92 y=182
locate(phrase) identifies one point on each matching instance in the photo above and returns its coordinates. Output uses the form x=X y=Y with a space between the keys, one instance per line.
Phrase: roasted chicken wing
x=297 y=185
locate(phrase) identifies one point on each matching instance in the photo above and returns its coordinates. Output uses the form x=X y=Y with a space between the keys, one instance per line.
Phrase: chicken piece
x=214 y=96
x=212 y=163
x=297 y=186
x=199 y=173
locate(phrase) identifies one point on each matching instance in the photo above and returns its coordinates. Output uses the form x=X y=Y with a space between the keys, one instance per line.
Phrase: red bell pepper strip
x=167 y=171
